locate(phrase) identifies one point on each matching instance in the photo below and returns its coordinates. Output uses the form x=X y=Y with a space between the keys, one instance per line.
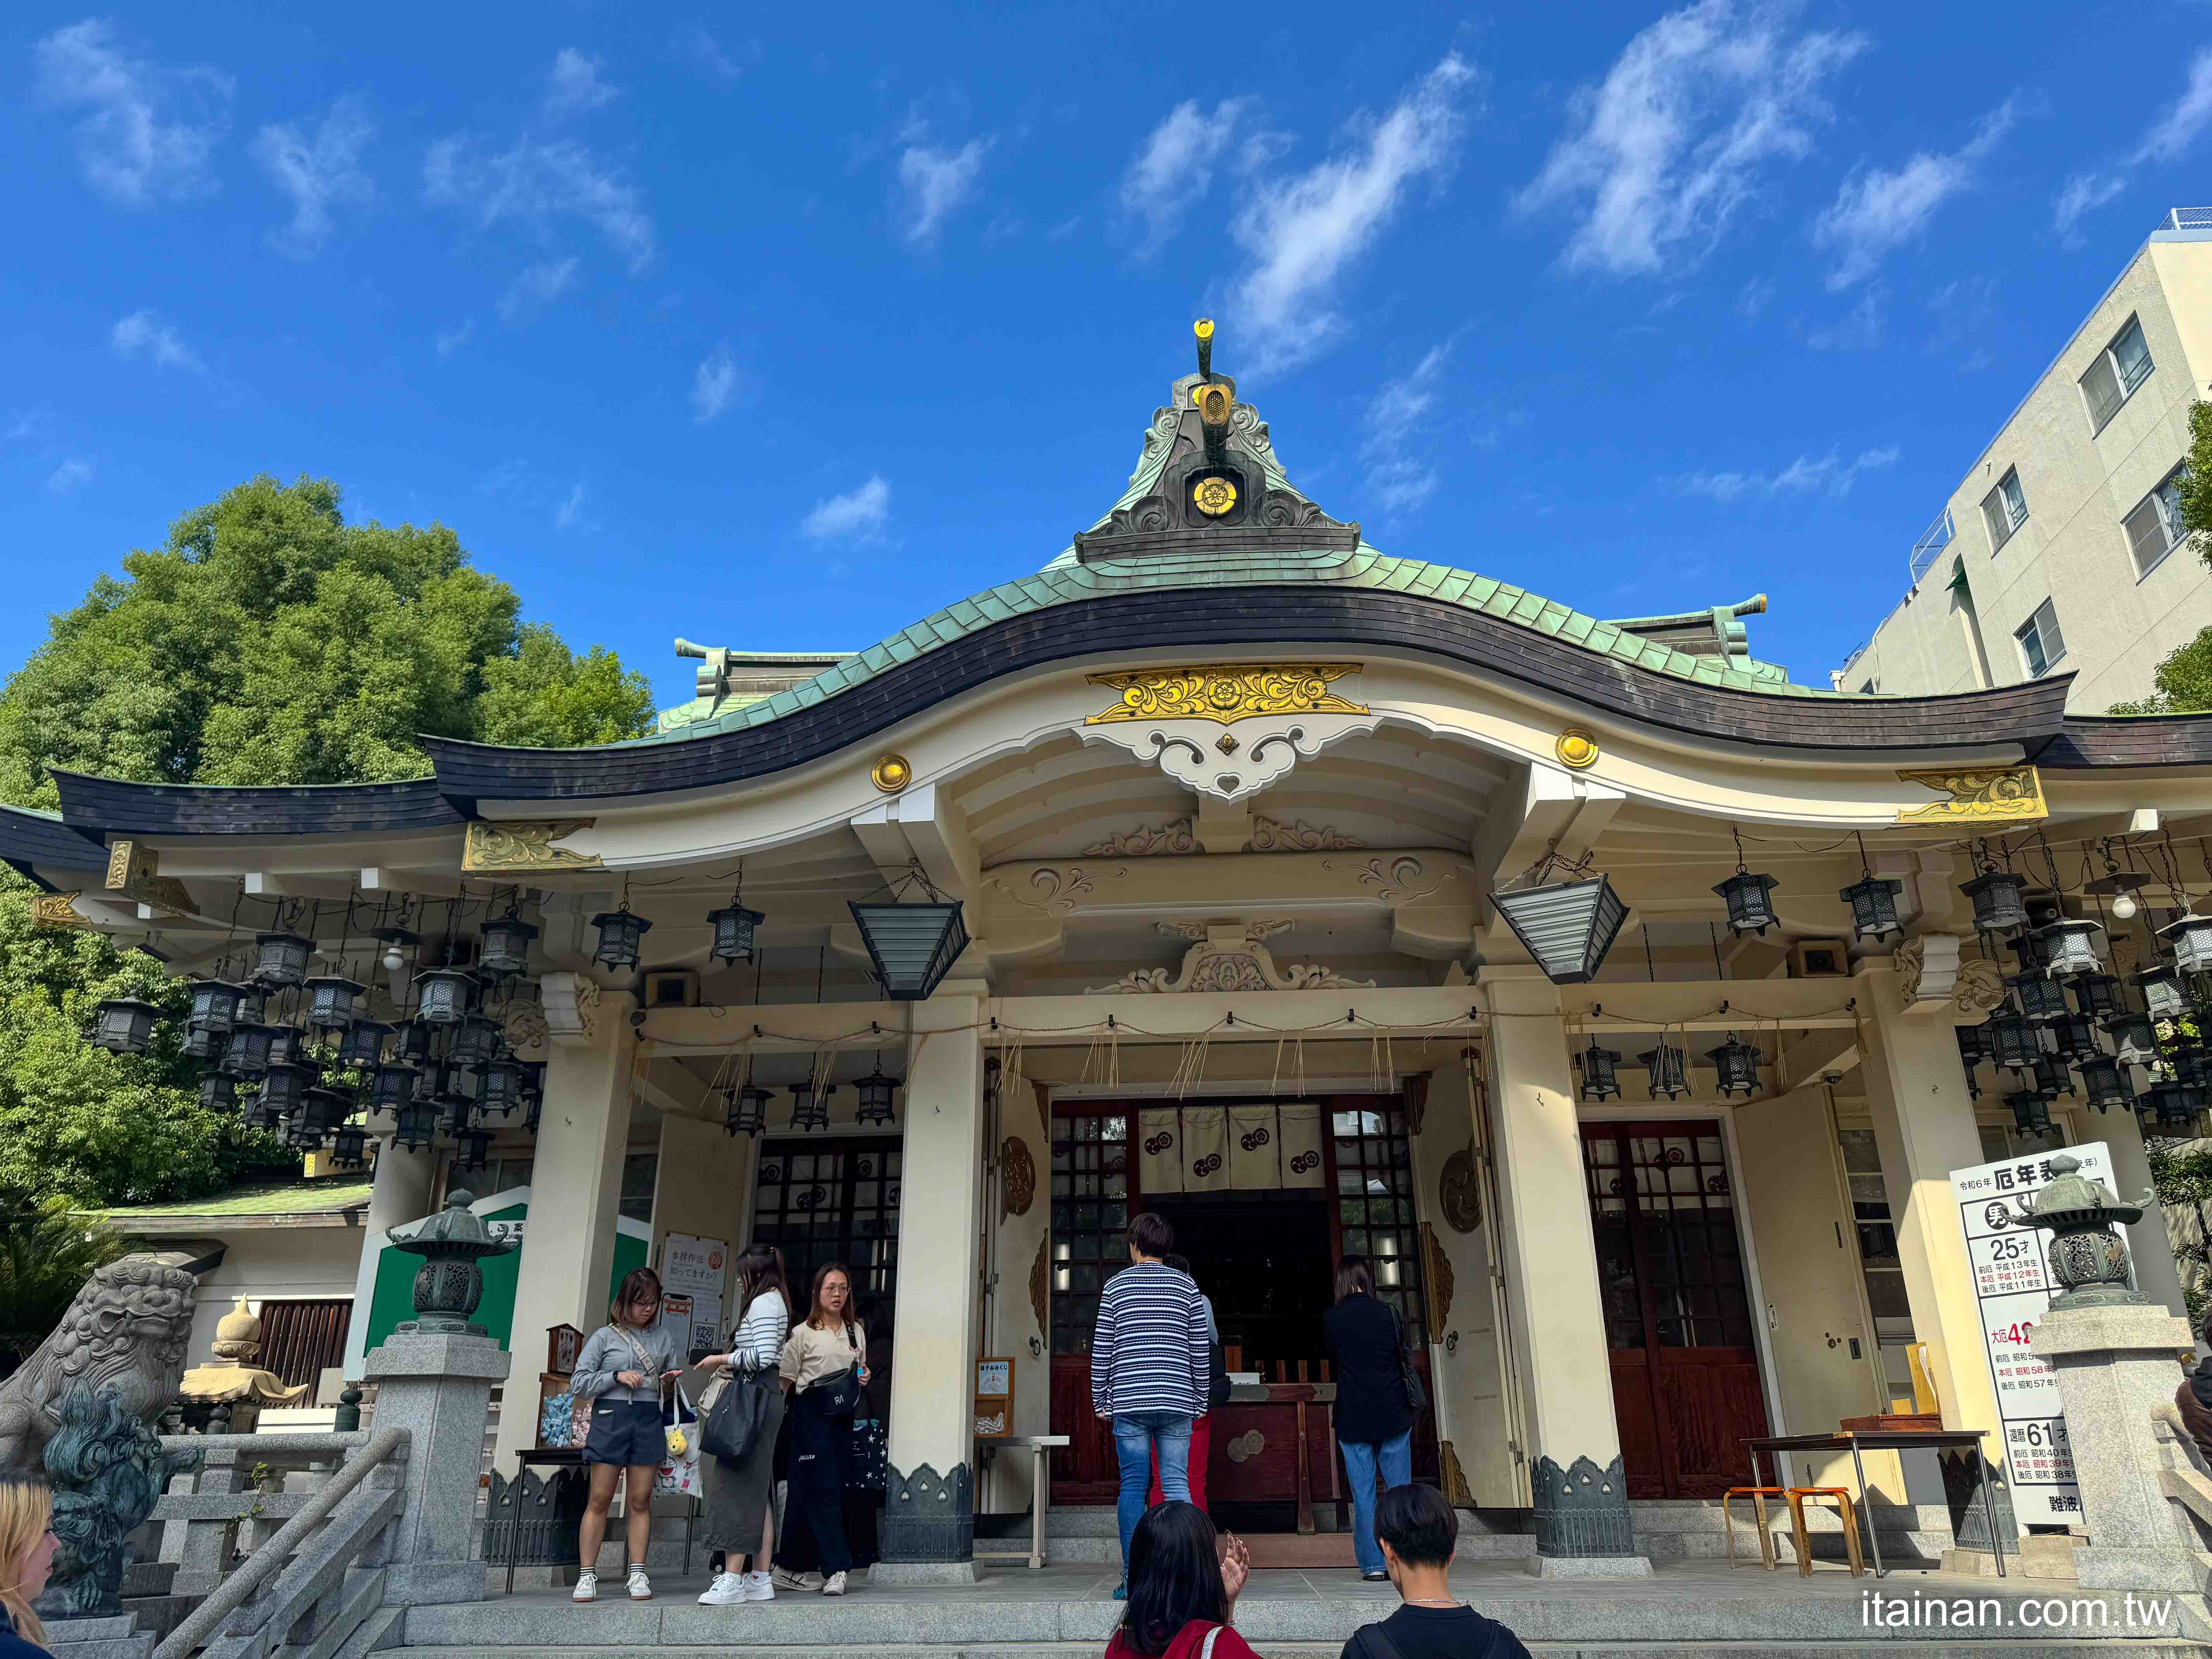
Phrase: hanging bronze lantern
x=393 y=1088
x=1737 y=1066
x=1600 y=1080
x=350 y=1145
x=2013 y=1041
x=875 y=1092
x=2030 y=1116
x=1665 y=1067
x=2075 y=1036
x=505 y=1083
x=283 y=1086
x=331 y=1002
x=202 y=1044
x=506 y=947
x=281 y=960
x=2163 y=997
x=1567 y=927
x=1750 y=907
x=733 y=926
x=2097 y=995
x=476 y=1041
x=911 y=946
x=622 y=935
x=1874 y=907
x=810 y=1108
x=417 y=1125
x=2051 y=1077
x=2134 y=1041
x=124 y=1025
x=415 y=1043
x=362 y=1045
x=444 y=996
x=2190 y=939
x=2000 y=901
x=218 y=1093
x=475 y=1151
x=2039 y=997
x=1973 y=1041
x=215 y=1004
x=2103 y=1084
x=247 y=1055
x=747 y=1111
x=2068 y=948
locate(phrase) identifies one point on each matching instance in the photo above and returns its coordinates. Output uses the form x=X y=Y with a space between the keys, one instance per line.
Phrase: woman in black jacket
x=1374 y=1417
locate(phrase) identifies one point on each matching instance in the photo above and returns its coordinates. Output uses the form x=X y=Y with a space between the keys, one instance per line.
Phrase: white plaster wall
x=300 y=1263
x=2118 y=626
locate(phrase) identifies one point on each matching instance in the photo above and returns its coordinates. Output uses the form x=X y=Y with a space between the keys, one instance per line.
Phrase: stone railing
x=306 y=1588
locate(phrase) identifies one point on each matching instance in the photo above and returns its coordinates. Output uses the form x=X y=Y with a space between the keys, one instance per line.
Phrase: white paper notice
x=2013 y=1284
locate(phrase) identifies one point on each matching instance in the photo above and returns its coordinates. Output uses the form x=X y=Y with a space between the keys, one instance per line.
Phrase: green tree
x=46 y=1253
x=271 y=641
x=2181 y=1175
x=268 y=641
x=2184 y=679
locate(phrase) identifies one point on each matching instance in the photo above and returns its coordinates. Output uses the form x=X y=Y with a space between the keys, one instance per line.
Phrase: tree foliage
x=271 y=641
x=268 y=641
x=2181 y=1175
x=2184 y=679
x=46 y=1253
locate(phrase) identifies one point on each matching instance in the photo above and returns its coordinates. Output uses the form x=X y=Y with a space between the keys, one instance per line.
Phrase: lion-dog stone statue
x=127 y=1329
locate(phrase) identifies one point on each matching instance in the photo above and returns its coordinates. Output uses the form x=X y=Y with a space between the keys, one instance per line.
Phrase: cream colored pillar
x=1581 y=1491
x=1924 y=1122
x=2156 y=1274
x=1021 y=1221
x=575 y=1194
x=400 y=1192
x=929 y=1515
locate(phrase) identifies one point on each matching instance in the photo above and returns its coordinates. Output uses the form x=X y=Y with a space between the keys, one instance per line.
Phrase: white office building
x=2058 y=553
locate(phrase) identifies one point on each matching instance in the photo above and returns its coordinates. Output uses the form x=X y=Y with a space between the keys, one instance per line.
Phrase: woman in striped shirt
x=740 y=1516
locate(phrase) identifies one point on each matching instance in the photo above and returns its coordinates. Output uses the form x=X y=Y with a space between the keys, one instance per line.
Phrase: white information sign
x=693 y=1266
x=706 y=1322
x=2013 y=1286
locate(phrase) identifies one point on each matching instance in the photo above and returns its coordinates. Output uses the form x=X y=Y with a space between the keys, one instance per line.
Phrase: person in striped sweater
x=1148 y=1372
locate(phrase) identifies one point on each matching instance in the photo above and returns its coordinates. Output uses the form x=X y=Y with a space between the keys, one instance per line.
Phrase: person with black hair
x=1420 y=1536
x=1374 y=1411
x=1182 y=1590
x=1148 y=1371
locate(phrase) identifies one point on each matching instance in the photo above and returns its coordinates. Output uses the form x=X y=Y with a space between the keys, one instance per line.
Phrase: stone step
x=1472 y=1547
x=1980 y=1650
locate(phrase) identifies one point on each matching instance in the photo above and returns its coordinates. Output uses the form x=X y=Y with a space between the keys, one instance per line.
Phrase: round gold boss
x=1215 y=496
x=891 y=773
x=1577 y=748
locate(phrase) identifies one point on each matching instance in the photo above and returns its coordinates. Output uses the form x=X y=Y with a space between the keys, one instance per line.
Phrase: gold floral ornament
x=509 y=845
x=1983 y=795
x=1214 y=496
x=890 y=774
x=1577 y=749
x=1226 y=692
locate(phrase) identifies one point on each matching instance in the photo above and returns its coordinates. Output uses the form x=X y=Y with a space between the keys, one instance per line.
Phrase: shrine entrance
x=1266 y=1197
x=1686 y=1382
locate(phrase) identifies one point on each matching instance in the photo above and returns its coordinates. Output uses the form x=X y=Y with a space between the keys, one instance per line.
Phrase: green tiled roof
x=284 y=1198
x=1067 y=581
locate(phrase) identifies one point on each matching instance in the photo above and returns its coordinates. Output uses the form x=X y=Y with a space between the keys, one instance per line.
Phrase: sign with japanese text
x=2012 y=1288
x=693 y=1264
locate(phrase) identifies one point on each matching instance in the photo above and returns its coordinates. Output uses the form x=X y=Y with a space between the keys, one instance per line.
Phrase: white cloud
x=1175 y=169
x=1860 y=329
x=450 y=340
x=143 y=332
x=1876 y=211
x=704 y=48
x=539 y=285
x=858 y=516
x=1670 y=145
x=937 y=180
x=2176 y=129
x=569 y=515
x=535 y=181
x=319 y=174
x=716 y=384
x=572 y=85
x=147 y=131
x=1304 y=230
x=1400 y=471
x=71 y=475
x=1802 y=477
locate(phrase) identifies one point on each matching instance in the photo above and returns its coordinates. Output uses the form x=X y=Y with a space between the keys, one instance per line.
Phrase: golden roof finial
x=1203 y=328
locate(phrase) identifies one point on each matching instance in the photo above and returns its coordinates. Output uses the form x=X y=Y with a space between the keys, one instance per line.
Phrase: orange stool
x=1798 y=1495
x=1759 y=1495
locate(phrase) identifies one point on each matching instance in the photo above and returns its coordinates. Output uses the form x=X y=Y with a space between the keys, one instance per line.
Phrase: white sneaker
x=786 y=1579
x=640 y=1587
x=726 y=1592
x=587 y=1587
x=834 y=1584
x=759 y=1587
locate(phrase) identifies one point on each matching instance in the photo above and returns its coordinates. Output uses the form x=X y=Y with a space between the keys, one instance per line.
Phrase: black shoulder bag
x=838 y=1394
x=1409 y=1375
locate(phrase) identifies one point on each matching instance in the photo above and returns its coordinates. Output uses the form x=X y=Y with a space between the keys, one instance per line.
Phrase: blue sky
x=782 y=328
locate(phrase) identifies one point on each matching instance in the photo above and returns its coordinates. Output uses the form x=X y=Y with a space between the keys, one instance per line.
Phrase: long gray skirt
x=738 y=1493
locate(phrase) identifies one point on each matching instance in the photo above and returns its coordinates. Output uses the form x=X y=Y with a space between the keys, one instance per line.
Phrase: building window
x=1090 y=1218
x=1884 y=1269
x=2154 y=527
x=639 y=1172
x=2120 y=367
x=833 y=1201
x=2004 y=509
x=1374 y=1209
x=2041 y=645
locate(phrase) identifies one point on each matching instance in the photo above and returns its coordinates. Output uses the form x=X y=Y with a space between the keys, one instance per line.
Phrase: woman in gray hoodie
x=620 y=1372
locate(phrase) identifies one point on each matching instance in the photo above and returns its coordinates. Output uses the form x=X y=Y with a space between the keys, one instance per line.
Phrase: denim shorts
x=627 y=1432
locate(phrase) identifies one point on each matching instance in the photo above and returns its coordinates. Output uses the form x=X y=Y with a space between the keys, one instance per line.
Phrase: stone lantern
x=2086 y=1256
x=449 y=1284
x=232 y=1379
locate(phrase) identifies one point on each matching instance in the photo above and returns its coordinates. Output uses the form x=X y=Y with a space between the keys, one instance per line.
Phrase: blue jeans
x=1360 y=1459
x=1135 y=1435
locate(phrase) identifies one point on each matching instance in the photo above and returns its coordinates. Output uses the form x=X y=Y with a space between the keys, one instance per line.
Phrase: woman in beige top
x=822 y=1358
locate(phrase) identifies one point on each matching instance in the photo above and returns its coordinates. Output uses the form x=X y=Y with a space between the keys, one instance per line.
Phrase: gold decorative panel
x=515 y=848
x=1986 y=794
x=135 y=873
x=56 y=910
x=1226 y=692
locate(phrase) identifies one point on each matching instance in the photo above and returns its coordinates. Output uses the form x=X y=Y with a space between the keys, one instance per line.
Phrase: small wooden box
x=562 y=1343
x=994 y=1398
